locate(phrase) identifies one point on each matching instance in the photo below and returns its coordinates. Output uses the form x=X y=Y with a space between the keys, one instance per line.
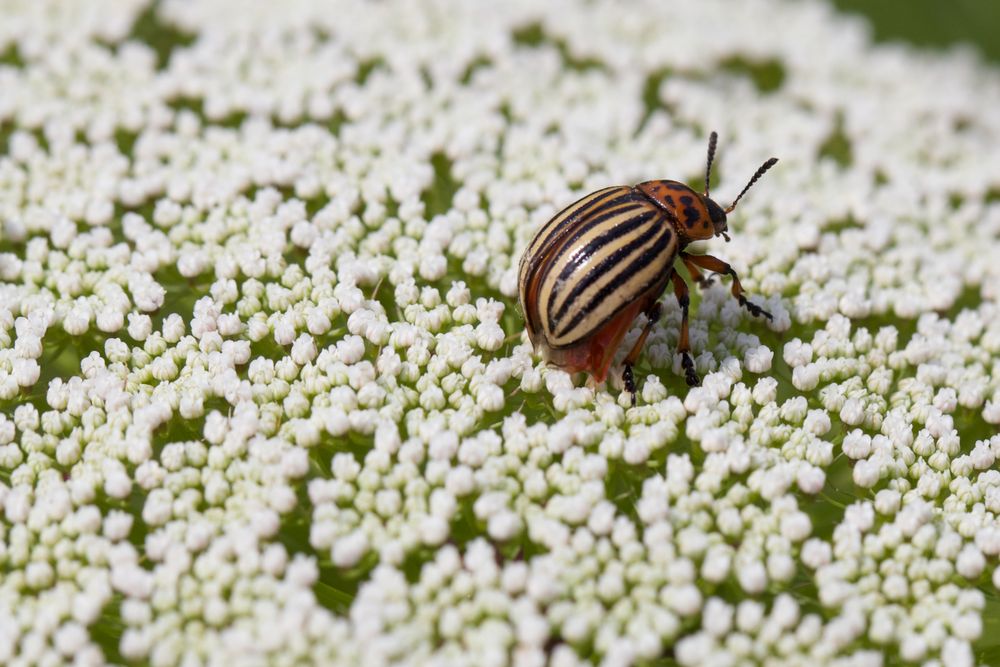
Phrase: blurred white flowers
x=266 y=395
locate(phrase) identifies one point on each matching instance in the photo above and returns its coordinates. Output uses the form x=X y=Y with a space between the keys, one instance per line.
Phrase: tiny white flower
x=117 y=525
x=805 y=377
x=758 y=359
x=26 y=372
x=970 y=562
x=796 y=353
x=752 y=576
x=857 y=444
x=817 y=422
x=816 y=553
x=490 y=397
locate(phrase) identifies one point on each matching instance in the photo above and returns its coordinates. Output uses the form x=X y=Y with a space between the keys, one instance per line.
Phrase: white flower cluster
x=266 y=394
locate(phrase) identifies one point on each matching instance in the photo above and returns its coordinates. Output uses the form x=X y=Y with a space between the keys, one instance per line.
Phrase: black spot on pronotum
x=670 y=201
x=691 y=216
x=687 y=200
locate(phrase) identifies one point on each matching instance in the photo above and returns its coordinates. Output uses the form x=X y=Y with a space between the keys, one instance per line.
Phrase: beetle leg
x=695 y=273
x=718 y=266
x=628 y=378
x=684 y=344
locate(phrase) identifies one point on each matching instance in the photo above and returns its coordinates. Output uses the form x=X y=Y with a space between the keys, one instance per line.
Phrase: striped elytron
x=603 y=260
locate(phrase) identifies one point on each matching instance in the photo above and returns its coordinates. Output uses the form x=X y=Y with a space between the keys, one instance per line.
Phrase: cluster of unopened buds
x=266 y=395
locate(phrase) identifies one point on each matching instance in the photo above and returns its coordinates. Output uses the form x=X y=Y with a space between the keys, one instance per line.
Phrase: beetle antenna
x=712 y=139
x=760 y=172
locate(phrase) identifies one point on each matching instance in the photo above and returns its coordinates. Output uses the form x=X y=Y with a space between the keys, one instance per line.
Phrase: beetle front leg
x=628 y=378
x=684 y=344
x=718 y=266
x=695 y=272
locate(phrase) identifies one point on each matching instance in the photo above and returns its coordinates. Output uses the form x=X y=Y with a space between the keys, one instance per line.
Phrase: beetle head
x=718 y=216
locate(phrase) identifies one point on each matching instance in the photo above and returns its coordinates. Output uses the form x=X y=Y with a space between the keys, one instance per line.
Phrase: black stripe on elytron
x=620 y=279
x=597 y=218
x=619 y=256
x=609 y=236
x=529 y=269
x=569 y=213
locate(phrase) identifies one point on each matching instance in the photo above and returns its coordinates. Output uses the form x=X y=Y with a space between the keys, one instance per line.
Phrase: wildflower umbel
x=266 y=395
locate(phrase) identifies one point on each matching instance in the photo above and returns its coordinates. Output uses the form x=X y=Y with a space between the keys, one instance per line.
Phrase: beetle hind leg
x=684 y=344
x=628 y=377
x=718 y=266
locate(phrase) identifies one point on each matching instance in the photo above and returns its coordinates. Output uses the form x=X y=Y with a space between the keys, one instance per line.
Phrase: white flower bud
x=348 y=550
x=758 y=359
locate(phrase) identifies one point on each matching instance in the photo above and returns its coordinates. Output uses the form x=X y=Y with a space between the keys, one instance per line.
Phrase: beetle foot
x=754 y=309
x=690 y=375
x=705 y=283
x=629 y=380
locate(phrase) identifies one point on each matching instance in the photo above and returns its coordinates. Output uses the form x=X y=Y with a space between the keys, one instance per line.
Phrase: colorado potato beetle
x=604 y=259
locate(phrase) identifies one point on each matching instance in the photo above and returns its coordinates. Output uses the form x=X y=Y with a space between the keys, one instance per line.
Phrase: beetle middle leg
x=684 y=344
x=718 y=266
x=628 y=378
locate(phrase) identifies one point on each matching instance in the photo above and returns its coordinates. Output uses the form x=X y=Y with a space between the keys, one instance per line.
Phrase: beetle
x=591 y=270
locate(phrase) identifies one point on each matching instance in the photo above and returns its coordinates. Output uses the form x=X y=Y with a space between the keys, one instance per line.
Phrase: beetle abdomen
x=591 y=261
